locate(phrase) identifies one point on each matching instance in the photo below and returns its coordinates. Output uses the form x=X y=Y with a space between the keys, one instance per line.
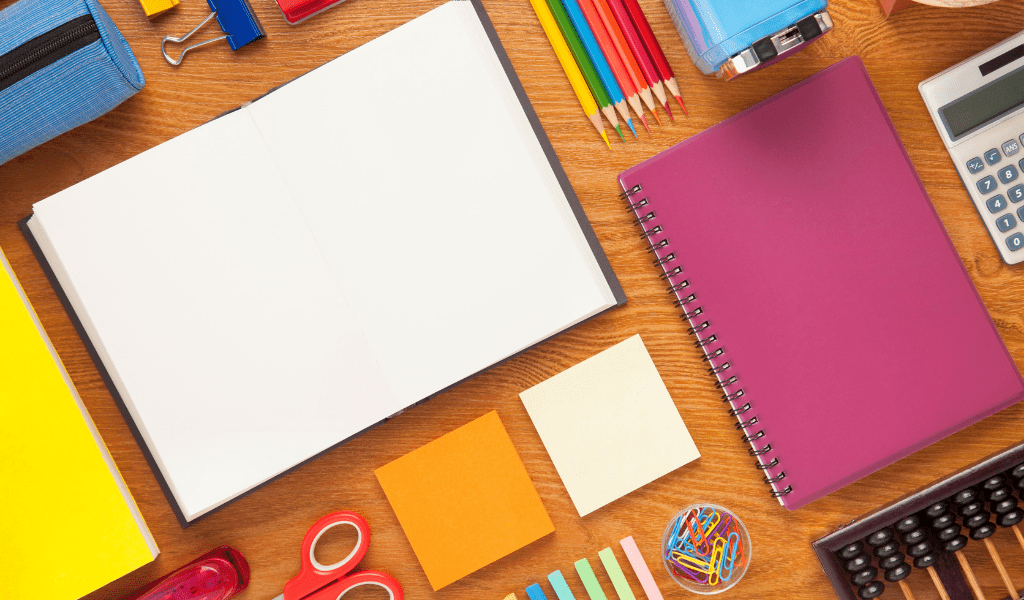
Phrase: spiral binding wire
x=683 y=301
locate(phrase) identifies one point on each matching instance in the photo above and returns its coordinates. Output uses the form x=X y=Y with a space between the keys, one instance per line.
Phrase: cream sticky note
x=464 y=500
x=609 y=425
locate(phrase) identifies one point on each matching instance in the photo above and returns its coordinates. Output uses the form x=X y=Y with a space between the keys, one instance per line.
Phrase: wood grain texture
x=268 y=525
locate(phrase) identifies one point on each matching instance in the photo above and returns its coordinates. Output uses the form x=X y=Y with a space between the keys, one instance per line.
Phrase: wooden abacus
x=929 y=529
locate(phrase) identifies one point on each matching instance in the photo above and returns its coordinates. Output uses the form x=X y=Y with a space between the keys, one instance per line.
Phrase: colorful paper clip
x=705 y=546
x=154 y=7
x=235 y=18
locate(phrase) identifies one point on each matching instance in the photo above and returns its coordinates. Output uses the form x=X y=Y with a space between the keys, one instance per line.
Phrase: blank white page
x=219 y=320
x=430 y=197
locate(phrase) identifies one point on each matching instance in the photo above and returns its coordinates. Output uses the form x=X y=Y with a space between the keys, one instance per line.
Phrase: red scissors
x=316 y=581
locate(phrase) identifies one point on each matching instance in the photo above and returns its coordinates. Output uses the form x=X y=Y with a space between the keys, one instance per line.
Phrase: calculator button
x=993 y=156
x=1016 y=193
x=974 y=165
x=1007 y=173
x=1020 y=213
x=996 y=203
x=1006 y=222
x=1010 y=147
x=986 y=185
x=1015 y=241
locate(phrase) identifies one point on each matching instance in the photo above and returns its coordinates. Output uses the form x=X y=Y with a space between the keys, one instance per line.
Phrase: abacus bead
x=887 y=549
x=937 y=509
x=993 y=483
x=914 y=537
x=956 y=544
x=1011 y=518
x=948 y=533
x=971 y=509
x=852 y=550
x=1004 y=506
x=1017 y=472
x=920 y=549
x=908 y=524
x=943 y=521
x=891 y=562
x=923 y=562
x=865 y=576
x=1020 y=484
x=871 y=590
x=976 y=520
x=998 y=495
x=858 y=563
x=965 y=496
x=879 y=537
x=983 y=532
x=900 y=572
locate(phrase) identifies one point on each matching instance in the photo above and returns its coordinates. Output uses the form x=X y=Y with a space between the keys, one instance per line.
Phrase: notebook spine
x=707 y=341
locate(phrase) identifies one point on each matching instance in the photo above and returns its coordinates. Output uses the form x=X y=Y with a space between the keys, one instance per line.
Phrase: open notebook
x=324 y=257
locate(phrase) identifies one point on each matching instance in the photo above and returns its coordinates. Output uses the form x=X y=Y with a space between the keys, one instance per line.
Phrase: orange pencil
x=628 y=60
x=618 y=69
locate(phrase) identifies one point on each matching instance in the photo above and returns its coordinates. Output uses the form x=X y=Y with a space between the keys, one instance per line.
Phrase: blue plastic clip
x=235 y=18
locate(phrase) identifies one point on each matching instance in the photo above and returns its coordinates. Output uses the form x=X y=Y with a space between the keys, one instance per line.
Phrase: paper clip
x=235 y=18
x=154 y=7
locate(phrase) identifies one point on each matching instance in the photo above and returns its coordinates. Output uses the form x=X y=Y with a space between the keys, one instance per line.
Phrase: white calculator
x=978 y=108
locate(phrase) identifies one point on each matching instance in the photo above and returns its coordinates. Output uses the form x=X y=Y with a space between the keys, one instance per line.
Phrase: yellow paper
x=464 y=500
x=67 y=523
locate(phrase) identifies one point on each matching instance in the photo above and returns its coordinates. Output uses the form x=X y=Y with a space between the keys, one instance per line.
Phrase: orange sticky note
x=464 y=500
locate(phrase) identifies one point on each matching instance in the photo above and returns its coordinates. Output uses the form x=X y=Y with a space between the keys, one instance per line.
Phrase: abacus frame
x=947 y=568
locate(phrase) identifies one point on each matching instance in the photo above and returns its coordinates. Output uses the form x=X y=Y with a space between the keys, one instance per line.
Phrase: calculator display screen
x=987 y=103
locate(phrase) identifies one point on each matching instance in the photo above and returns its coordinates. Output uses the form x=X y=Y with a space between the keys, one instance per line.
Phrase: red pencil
x=629 y=90
x=654 y=48
x=636 y=45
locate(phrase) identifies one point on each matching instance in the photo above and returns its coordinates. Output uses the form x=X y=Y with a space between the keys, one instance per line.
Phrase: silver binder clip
x=178 y=40
x=236 y=20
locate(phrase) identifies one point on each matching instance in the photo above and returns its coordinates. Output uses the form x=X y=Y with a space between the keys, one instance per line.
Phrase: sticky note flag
x=535 y=592
x=561 y=587
x=590 y=582
x=464 y=500
x=611 y=564
x=609 y=425
x=640 y=568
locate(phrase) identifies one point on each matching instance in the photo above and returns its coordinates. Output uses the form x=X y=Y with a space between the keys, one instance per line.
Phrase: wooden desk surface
x=267 y=526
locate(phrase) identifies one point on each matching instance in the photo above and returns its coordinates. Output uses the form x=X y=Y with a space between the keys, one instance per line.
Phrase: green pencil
x=583 y=60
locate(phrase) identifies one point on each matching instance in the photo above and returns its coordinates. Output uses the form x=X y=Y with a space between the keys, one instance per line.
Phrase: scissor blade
x=281 y=597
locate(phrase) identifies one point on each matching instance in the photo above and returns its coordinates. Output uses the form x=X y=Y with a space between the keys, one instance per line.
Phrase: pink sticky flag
x=640 y=567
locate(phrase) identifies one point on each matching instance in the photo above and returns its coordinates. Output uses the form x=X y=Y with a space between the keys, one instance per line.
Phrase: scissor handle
x=312 y=574
x=334 y=592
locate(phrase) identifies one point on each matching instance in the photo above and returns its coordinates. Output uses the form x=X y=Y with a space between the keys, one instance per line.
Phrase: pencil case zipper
x=46 y=49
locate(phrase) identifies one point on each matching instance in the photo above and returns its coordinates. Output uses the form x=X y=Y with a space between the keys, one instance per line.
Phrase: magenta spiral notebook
x=842 y=326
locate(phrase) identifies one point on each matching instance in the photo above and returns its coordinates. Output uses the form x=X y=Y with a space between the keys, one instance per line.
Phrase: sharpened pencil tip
x=656 y=117
x=669 y=111
x=604 y=136
x=631 y=128
x=618 y=128
x=682 y=106
x=643 y=120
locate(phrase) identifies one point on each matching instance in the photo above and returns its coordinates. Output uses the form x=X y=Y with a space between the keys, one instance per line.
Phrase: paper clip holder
x=236 y=19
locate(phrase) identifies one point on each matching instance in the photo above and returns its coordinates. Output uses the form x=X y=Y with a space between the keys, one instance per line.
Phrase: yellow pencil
x=572 y=70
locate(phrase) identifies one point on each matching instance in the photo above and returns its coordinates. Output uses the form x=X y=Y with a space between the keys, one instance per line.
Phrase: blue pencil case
x=62 y=63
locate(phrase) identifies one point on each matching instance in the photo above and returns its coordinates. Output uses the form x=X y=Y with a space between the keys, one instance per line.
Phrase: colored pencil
x=654 y=48
x=583 y=61
x=572 y=70
x=636 y=44
x=618 y=68
x=622 y=49
x=579 y=23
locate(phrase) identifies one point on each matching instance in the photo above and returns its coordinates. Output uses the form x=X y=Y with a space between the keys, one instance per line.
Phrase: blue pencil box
x=732 y=37
x=62 y=63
